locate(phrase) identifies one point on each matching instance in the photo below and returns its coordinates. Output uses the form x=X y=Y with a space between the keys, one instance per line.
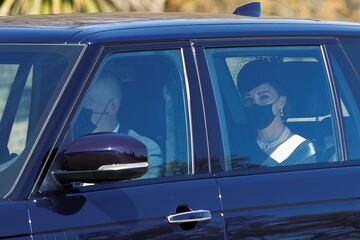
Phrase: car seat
x=308 y=111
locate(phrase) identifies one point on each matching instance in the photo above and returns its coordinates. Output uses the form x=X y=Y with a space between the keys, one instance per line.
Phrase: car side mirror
x=103 y=157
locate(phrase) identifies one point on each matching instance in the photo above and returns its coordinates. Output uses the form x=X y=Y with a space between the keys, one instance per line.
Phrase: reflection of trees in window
x=235 y=64
x=17 y=140
x=8 y=72
x=176 y=167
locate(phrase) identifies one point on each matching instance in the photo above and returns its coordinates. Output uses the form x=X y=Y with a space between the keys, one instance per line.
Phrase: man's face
x=100 y=102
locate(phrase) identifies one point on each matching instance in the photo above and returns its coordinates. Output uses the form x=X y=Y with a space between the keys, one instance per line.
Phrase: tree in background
x=16 y=7
x=348 y=10
x=319 y=9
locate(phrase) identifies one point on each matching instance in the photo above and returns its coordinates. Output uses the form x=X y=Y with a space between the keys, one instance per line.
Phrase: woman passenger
x=265 y=99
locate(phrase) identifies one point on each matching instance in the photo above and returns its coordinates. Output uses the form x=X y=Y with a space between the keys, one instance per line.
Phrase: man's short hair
x=111 y=81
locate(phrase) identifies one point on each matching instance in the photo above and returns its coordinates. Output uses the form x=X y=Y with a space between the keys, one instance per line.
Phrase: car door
x=160 y=105
x=294 y=198
x=15 y=222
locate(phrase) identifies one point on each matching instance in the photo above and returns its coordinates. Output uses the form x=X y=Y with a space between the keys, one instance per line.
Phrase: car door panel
x=14 y=223
x=300 y=204
x=128 y=212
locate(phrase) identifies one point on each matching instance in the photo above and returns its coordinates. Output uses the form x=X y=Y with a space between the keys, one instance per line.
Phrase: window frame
x=214 y=129
x=352 y=78
x=28 y=174
x=194 y=107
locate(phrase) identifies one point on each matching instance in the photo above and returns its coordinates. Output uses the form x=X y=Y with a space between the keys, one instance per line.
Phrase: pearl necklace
x=265 y=146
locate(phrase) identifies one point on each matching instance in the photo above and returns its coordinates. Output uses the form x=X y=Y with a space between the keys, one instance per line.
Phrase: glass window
x=142 y=95
x=346 y=73
x=28 y=90
x=274 y=106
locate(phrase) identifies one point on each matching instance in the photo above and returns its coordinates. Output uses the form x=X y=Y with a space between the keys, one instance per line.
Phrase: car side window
x=141 y=95
x=346 y=74
x=274 y=106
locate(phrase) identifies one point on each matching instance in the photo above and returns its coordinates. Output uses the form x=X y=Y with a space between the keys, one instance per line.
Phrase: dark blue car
x=169 y=126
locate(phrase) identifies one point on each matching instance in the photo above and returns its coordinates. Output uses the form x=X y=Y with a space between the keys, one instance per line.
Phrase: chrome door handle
x=190 y=216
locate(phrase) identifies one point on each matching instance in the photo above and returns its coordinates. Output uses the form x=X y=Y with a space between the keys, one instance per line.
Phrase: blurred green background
x=343 y=10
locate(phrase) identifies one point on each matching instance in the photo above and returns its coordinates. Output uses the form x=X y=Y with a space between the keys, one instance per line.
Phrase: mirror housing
x=103 y=157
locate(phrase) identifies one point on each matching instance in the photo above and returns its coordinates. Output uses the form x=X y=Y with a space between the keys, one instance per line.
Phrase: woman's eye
x=264 y=97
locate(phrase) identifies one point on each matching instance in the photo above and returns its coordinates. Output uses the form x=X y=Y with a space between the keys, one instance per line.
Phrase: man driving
x=100 y=113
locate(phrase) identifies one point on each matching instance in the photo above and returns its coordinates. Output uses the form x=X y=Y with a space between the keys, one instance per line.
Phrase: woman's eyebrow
x=263 y=91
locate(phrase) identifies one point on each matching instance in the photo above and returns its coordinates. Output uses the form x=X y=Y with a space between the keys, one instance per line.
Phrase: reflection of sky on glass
x=17 y=137
x=7 y=74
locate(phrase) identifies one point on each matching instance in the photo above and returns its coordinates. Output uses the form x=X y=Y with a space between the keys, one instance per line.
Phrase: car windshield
x=31 y=78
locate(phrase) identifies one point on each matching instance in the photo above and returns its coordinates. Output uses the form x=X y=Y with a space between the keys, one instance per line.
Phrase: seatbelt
x=284 y=150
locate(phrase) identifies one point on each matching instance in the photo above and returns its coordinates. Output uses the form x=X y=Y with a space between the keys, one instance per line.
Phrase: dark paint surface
x=107 y=142
x=30 y=35
x=322 y=203
x=14 y=219
x=128 y=212
x=208 y=31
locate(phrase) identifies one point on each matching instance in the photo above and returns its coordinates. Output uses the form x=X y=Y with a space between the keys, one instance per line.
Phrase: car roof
x=138 y=27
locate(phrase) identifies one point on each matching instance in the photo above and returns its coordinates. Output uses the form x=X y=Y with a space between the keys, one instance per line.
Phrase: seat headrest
x=307 y=91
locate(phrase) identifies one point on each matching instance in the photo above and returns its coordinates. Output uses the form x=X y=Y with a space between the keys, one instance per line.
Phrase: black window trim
x=352 y=74
x=341 y=140
x=205 y=80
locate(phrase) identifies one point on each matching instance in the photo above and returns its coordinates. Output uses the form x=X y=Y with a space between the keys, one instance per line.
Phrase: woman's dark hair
x=260 y=71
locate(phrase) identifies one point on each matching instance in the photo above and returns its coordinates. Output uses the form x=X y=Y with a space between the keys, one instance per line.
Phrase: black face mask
x=83 y=124
x=104 y=112
x=260 y=116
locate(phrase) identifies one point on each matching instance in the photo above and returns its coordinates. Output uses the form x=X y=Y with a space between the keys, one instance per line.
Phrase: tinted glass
x=142 y=95
x=274 y=106
x=28 y=90
x=346 y=73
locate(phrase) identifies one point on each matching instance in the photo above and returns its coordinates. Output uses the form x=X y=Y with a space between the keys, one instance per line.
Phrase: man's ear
x=114 y=105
